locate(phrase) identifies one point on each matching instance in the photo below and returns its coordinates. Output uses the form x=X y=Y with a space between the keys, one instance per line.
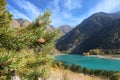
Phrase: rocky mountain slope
x=17 y=23
x=107 y=38
x=64 y=29
x=82 y=32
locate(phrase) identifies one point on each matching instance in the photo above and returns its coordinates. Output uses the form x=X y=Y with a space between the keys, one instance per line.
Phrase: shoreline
x=57 y=54
x=110 y=57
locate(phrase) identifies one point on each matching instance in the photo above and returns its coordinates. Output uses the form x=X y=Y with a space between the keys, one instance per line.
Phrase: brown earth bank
x=61 y=74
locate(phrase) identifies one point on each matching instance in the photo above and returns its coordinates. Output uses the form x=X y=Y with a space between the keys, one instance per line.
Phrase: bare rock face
x=50 y=28
x=14 y=24
x=18 y=23
x=64 y=29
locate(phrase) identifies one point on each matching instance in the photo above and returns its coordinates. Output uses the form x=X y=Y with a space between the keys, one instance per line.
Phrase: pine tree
x=5 y=16
x=14 y=59
x=42 y=41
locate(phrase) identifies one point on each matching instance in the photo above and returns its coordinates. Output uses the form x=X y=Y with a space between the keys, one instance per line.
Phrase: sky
x=64 y=12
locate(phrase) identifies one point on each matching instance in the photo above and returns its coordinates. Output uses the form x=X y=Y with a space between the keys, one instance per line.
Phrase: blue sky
x=70 y=12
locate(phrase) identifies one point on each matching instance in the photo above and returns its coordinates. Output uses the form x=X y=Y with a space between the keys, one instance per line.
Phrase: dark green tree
x=5 y=17
x=73 y=67
x=14 y=58
x=86 y=70
x=79 y=69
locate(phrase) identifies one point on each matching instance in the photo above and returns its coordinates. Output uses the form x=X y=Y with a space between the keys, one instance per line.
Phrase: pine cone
x=41 y=40
x=40 y=22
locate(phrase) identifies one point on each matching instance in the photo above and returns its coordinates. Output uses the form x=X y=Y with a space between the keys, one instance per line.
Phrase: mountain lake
x=89 y=62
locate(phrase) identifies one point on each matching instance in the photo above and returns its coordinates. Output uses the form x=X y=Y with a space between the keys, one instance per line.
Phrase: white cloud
x=59 y=16
x=17 y=14
x=63 y=10
x=106 y=6
x=63 y=15
x=28 y=7
x=72 y=4
x=55 y=9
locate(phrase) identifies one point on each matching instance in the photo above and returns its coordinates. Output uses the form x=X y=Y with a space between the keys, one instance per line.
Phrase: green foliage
x=86 y=70
x=5 y=17
x=32 y=74
x=115 y=76
x=73 y=67
x=99 y=72
x=79 y=69
x=41 y=55
x=76 y=68
x=14 y=58
x=92 y=72
x=60 y=65
x=11 y=61
x=66 y=66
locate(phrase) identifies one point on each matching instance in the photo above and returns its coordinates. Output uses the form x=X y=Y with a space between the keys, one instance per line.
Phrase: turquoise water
x=90 y=62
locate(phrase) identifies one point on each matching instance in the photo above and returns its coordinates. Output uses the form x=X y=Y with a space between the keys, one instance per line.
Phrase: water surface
x=90 y=62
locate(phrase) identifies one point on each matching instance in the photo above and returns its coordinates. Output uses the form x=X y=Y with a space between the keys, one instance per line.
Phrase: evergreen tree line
x=112 y=75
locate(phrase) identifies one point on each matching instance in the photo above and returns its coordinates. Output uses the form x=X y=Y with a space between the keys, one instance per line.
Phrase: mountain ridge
x=64 y=29
x=86 y=29
x=18 y=23
x=107 y=38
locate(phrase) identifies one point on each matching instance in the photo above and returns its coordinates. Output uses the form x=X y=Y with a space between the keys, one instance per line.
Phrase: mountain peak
x=64 y=29
x=90 y=26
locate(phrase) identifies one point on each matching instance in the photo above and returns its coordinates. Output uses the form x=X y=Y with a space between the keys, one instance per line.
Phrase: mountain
x=90 y=26
x=17 y=23
x=64 y=29
x=107 y=38
x=50 y=28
